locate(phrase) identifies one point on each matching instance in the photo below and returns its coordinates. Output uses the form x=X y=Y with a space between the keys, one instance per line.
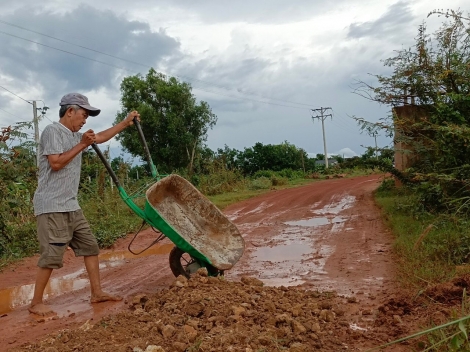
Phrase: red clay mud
x=325 y=237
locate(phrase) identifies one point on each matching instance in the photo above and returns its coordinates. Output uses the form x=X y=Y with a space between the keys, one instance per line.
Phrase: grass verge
x=430 y=247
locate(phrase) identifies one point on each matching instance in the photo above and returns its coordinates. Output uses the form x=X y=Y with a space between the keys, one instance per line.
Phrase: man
x=60 y=221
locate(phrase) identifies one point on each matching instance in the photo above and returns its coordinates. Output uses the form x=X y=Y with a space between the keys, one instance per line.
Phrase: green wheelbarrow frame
x=201 y=230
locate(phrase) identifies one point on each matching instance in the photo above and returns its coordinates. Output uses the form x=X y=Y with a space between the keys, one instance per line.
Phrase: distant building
x=331 y=162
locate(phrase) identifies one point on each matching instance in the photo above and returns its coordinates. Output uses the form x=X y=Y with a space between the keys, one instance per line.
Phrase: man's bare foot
x=41 y=309
x=104 y=297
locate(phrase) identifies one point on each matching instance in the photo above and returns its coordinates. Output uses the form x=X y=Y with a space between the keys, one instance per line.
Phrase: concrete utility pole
x=322 y=117
x=376 y=149
x=36 y=130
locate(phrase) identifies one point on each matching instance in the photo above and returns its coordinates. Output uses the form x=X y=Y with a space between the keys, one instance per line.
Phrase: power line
x=9 y=113
x=16 y=95
x=122 y=68
x=131 y=61
x=64 y=51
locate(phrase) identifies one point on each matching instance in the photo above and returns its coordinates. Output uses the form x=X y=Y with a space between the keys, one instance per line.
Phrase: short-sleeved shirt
x=57 y=190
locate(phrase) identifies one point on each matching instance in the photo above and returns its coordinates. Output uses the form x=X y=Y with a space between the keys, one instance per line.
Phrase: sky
x=261 y=65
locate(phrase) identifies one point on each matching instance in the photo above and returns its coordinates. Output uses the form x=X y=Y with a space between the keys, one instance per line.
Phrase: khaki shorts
x=57 y=231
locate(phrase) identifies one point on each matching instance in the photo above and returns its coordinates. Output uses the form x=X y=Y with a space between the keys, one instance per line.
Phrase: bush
x=279 y=181
x=260 y=183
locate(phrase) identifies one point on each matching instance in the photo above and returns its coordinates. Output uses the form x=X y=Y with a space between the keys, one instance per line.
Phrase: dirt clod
x=217 y=315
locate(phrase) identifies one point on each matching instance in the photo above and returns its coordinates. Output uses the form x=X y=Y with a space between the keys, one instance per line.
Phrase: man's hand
x=88 y=138
x=130 y=118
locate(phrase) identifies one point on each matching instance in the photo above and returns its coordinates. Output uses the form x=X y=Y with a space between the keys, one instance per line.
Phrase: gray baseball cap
x=81 y=101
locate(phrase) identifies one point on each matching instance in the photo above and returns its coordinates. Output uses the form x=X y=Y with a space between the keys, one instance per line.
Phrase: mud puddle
x=325 y=247
x=13 y=297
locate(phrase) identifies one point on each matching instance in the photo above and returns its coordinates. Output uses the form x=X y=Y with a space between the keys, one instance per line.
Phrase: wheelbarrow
x=202 y=234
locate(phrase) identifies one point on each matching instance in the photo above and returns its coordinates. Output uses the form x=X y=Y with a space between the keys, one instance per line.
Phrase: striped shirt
x=57 y=190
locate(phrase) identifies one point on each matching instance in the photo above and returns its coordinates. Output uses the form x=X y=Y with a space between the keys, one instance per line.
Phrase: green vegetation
x=428 y=246
x=432 y=80
x=430 y=213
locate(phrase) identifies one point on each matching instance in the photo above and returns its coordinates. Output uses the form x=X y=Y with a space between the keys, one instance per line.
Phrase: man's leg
x=37 y=306
x=97 y=294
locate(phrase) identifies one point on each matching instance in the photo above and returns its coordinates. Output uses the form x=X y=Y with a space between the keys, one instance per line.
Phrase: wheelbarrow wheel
x=181 y=263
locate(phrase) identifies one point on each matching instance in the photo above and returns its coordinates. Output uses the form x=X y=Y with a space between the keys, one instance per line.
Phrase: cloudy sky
x=261 y=65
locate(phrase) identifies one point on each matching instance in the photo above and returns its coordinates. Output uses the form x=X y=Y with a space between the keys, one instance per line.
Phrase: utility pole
x=36 y=130
x=322 y=117
x=376 y=150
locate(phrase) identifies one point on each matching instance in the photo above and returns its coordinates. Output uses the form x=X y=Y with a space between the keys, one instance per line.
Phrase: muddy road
x=326 y=236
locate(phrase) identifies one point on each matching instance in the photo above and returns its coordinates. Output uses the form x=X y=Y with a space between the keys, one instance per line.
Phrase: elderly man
x=60 y=221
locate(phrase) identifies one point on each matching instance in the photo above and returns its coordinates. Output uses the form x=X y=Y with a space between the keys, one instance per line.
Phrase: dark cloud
x=394 y=23
x=100 y=30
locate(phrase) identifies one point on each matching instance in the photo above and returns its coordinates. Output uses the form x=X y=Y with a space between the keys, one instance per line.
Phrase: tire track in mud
x=327 y=236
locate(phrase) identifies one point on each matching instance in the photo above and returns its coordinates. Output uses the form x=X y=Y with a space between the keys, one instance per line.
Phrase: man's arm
x=59 y=161
x=106 y=135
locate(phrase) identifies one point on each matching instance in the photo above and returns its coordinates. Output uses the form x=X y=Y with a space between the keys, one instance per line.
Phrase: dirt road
x=325 y=236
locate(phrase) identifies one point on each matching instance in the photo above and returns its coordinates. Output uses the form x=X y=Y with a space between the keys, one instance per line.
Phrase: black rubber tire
x=178 y=268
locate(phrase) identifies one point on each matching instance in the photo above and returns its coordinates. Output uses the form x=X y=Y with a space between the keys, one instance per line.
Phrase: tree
x=433 y=78
x=174 y=125
x=271 y=157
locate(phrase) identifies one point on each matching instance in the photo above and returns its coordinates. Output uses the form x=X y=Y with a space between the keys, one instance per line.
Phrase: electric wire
x=122 y=68
x=9 y=113
x=133 y=62
x=16 y=95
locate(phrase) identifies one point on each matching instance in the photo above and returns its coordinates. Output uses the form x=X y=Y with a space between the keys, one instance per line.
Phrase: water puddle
x=13 y=297
x=277 y=281
x=317 y=221
x=337 y=207
x=122 y=255
x=281 y=253
x=309 y=222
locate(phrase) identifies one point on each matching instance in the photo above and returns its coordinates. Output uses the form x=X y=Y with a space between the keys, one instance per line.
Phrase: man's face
x=78 y=118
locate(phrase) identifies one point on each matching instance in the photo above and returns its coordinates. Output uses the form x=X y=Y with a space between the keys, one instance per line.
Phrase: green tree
x=433 y=78
x=174 y=124
x=271 y=157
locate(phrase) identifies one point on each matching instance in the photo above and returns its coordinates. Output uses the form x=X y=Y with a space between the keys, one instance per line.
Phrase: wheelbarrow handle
x=153 y=169
x=106 y=165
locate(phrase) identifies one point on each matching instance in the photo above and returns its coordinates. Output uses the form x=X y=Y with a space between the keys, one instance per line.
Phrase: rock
x=180 y=281
x=145 y=318
x=298 y=347
x=192 y=323
x=137 y=349
x=283 y=318
x=179 y=346
x=316 y=327
x=252 y=281
x=139 y=300
x=153 y=348
x=397 y=319
x=238 y=311
x=202 y=272
x=298 y=328
x=190 y=332
x=327 y=315
x=86 y=326
x=264 y=340
x=168 y=331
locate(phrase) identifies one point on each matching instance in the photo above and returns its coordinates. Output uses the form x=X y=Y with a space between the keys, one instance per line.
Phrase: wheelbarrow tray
x=193 y=223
